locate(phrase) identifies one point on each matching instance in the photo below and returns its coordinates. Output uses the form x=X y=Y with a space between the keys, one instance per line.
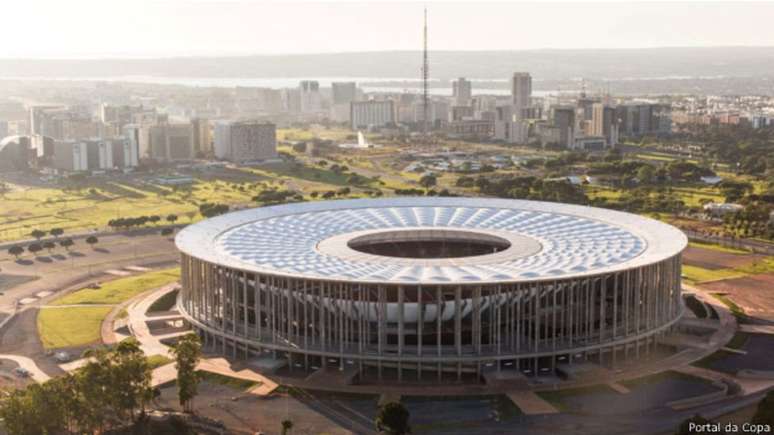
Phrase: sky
x=157 y=28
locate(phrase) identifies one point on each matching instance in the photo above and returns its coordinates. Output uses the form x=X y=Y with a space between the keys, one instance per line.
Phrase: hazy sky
x=139 y=28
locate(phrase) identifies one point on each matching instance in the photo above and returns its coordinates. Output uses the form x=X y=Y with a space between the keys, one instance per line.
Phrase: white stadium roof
x=548 y=240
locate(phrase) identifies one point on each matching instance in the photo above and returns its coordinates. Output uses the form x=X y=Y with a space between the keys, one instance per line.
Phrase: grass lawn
x=736 y=310
x=718 y=248
x=156 y=361
x=78 y=326
x=164 y=303
x=694 y=274
x=557 y=397
x=119 y=290
x=25 y=209
x=658 y=377
x=237 y=384
x=67 y=327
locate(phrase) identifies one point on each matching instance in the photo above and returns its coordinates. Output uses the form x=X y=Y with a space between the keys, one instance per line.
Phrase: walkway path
x=28 y=364
x=530 y=403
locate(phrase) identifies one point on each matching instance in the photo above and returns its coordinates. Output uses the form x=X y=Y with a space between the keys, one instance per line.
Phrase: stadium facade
x=431 y=288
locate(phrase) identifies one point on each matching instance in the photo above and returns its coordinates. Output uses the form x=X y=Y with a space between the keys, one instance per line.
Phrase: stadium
x=431 y=289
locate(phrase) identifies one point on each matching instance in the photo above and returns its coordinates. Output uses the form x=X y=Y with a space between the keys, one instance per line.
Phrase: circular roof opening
x=428 y=244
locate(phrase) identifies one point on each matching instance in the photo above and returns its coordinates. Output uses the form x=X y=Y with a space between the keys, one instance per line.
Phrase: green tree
x=172 y=218
x=765 y=412
x=646 y=174
x=67 y=243
x=49 y=245
x=34 y=248
x=187 y=355
x=56 y=232
x=287 y=425
x=38 y=234
x=427 y=181
x=92 y=240
x=16 y=251
x=393 y=419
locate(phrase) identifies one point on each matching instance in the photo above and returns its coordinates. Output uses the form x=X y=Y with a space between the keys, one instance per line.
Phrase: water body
x=368 y=84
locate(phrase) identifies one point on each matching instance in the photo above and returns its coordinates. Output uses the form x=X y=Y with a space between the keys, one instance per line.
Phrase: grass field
x=557 y=397
x=718 y=248
x=735 y=309
x=156 y=361
x=119 y=290
x=237 y=384
x=694 y=274
x=24 y=210
x=61 y=326
x=68 y=327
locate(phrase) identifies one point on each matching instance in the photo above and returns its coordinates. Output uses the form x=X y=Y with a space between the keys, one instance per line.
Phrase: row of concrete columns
x=462 y=326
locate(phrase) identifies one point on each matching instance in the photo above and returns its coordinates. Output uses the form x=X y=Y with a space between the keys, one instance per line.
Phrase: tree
x=56 y=232
x=67 y=243
x=38 y=234
x=287 y=425
x=92 y=240
x=427 y=181
x=105 y=393
x=765 y=412
x=154 y=219
x=49 y=245
x=16 y=251
x=172 y=218
x=645 y=174
x=393 y=419
x=187 y=354
x=34 y=248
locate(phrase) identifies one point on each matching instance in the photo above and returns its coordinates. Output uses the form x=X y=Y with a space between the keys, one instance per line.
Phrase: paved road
x=63 y=269
x=28 y=364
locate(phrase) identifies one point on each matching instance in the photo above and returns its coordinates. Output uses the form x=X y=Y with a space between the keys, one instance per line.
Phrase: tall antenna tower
x=425 y=75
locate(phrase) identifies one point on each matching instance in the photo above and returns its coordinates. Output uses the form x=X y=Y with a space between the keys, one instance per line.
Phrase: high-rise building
x=310 y=99
x=638 y=118
x=604 y=124
x=564 y=120
x=167 y=142
x=507 y=127
x=521 y=92
x=368 y=114
x=37 y=118
x=245 y=141
x=462 y=91
x=201 y=136
x=344 y=92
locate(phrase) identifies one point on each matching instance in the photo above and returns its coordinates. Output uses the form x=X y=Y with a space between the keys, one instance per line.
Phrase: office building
x=309 y=96
x=167 y=142
x=343 y=92
x=372 y=114
x=564 y=120
x=604 y=123
x=521 y=92
x=462 y=92
x=245 y=141
x=202 y=137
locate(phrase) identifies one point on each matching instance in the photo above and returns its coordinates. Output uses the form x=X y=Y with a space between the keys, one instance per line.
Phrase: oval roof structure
x=548 y=240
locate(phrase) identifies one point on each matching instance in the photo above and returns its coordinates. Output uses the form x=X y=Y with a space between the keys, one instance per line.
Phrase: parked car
x=62 y=357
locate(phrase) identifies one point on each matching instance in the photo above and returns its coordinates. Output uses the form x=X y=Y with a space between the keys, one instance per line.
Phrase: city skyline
x=174 y=27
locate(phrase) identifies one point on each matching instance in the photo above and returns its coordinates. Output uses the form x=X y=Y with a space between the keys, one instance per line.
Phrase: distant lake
x=368 y=84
